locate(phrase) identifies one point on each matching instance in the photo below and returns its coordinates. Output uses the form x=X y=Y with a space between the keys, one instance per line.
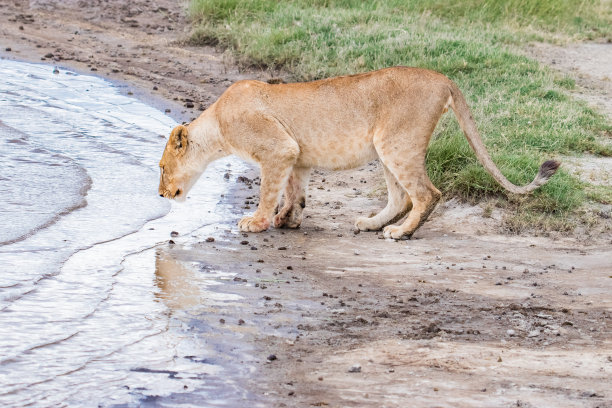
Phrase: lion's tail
x=464 y=116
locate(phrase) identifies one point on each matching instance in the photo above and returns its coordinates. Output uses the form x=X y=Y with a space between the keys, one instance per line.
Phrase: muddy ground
x=459 y=316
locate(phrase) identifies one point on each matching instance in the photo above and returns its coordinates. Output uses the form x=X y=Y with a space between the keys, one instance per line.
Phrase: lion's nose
x=161 y=195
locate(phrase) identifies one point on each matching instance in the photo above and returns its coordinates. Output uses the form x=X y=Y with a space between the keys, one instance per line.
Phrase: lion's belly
x=338 y=153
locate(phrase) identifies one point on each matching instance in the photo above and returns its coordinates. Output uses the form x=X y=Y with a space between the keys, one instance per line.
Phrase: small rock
x=210 y=239
x=240 y=322
x=510 y=332
x=174 y=234
x=356 y=252
x=8 y=49
x=282 y=248
x=272 y=357
x=244 y=242
x=222 y=321
x=356 y=368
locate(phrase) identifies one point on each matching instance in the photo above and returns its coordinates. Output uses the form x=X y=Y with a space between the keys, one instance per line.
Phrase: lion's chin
x=181 y=197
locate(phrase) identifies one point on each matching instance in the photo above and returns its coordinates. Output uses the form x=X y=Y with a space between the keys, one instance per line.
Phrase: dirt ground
x=458 y=316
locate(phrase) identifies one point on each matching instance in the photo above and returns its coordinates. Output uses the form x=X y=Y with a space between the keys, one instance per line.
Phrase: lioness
x=336 y=123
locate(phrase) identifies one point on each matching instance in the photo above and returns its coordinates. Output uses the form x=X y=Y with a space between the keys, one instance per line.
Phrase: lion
x=336 y=123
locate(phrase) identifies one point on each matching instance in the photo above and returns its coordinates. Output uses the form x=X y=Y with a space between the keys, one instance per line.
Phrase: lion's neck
x=206 y=138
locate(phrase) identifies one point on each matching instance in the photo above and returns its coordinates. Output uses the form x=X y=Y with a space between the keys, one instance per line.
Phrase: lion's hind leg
x=406 y=161
x=290 y=215
x=398 y=204
x=424 y=197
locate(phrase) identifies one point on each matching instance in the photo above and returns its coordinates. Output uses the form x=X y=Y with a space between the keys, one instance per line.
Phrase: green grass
x=523 y=110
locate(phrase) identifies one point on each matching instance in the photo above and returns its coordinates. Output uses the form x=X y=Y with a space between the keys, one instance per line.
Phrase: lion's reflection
x=177 y=283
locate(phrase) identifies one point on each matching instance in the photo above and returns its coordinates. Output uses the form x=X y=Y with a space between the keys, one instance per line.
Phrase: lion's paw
x=288 y=219
x=365 y=224
x=279 y=220
x=253 y=224
x=395 y=232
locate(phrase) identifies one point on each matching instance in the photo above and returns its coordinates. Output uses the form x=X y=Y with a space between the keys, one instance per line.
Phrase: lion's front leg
x=290 y=215
x=273 y=178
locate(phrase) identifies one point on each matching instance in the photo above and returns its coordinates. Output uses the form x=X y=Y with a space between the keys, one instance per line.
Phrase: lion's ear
x=179 y=139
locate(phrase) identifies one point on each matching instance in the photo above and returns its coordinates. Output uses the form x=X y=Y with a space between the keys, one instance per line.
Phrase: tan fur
x=336 y=123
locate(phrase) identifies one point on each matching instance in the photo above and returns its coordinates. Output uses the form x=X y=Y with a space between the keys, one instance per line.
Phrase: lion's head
x=178 y=173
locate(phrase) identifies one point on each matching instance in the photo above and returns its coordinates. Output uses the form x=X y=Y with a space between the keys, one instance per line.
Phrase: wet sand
x=458 y=316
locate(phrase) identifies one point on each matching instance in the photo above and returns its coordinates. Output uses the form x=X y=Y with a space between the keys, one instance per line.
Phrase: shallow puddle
x=92 y=311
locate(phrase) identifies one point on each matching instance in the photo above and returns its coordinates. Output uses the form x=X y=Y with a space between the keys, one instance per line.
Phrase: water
x=87 y=315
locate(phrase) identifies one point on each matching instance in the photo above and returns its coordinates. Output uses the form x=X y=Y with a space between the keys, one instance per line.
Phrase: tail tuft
x=547 y=169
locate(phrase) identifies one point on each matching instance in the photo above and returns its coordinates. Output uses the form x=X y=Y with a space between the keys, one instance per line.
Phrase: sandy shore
x=458 y=316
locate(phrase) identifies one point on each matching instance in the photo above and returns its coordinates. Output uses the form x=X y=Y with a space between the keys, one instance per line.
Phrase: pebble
x=240 y=322
x=355 y=368
x=174 y=234
x=8 y=49
x=244 y=242
x=210 y=239
x=533 y=333
x=510 y=332
x=356 y=252
x=272 y=357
